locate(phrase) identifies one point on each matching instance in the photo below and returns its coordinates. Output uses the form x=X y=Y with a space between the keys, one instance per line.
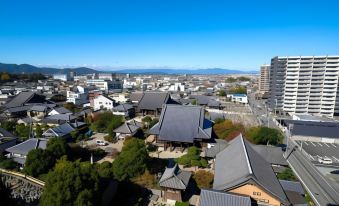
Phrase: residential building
x=264 y=79
x=106 y=76
x=7 y=139
x=238 y=98
x=130 y=128
x=126 y=110
x=304 y=84
x=103 y=102
x=151 y=102
x=78 y=95
x=247 y=174
x=106 y=85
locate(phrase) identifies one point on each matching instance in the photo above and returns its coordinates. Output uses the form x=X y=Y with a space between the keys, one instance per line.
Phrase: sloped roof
x=62 y=110
x=5 y=133
x=64 y=117
x=201 y=99
x=292 y=186
x=219 y=198
x=39 y=108
x=219 y=146
x=26 y=146
x=123 y=107
x=239 y=163
x=20 y=99
x=175 y=178
x=59 y=131
x=273 y=155
x=136 y=96
x=153 y=100
x=127 y=128
x=182 y=124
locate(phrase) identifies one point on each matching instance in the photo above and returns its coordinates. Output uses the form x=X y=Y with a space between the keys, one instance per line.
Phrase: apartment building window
x=257 y=193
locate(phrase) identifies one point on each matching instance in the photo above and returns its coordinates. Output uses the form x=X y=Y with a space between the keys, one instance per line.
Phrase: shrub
x=204 y=179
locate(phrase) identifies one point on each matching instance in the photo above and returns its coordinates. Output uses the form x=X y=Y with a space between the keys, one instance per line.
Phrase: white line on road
x=313 y=144
x=333 y=145
x=305 y=143
x=319 y=144
x=335 y=158
x=326 y=145
x=311 y=157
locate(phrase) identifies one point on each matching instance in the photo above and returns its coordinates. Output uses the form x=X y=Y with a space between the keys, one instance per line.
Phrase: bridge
x=23 y=188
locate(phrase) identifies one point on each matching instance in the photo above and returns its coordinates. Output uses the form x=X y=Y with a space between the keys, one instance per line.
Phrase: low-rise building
x=103 y=102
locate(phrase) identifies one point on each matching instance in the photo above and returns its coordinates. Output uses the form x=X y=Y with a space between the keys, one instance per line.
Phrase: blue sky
x=165 y=33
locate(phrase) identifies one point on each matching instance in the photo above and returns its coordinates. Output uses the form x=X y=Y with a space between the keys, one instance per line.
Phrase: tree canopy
x=226 y=129
x=38 y=162
x=106 y=122
x=192 y=158
x=264 y=135
x=132 y=160
x=204 y=179
x=71 y=183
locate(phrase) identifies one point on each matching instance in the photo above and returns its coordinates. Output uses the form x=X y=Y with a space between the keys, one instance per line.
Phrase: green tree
x=243 y=79
x=71 y=183
x=57 y=147
x=22 y=131
x=222 y=93
x=194 y=102
x=132 y=160
x=106 y=122
x=192 y=158
x=7 y=163
x=38 y=162
x=238 y=90
x=264 y=135
x=38 y=131
x=71 y=107
x=105 y=170
x=230 y=80
x=9 y=125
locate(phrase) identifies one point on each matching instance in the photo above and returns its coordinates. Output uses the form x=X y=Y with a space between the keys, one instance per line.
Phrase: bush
x=264 y=135
x=192 y=158
x=182 y=204
x=109 y=138
x=287 y=174
x=7 y=163
x=204 y=179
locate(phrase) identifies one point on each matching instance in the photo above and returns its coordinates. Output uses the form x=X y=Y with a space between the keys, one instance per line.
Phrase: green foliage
x=153 y=122
x=243 y=79
x=264 y=135
x=106 y=122
x=32 y=77
x=204 y=179
x=230 y=80
x=146 y=119
x=38 y=162
x=287 y=174
x=71 y=107
x=192 y=158
x=147 y=180
x=132 y=160
x=9 y=125
x=22 y=131
x=105 y=170
x=71 y=183
x=38 y=131
x=222 y=93
x=58 y=98
x=7 y=163
x=109 y=138
x=238 y=90
x=57 y=147
x=181 y=203
x=194 y=102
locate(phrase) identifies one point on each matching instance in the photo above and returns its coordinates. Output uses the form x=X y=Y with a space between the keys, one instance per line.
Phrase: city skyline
x=171 y=34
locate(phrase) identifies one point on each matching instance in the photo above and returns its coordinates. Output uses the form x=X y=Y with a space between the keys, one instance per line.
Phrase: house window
x=257 y=193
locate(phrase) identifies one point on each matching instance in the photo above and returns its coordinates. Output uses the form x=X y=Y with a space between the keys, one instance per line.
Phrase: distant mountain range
x=27 y=68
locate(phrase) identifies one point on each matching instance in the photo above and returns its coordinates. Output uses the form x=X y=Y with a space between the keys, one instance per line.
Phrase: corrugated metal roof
x=175 y=178
x=219 y=198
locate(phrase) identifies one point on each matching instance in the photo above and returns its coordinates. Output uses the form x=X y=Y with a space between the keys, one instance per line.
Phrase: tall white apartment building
x=305 y=84
x=264 y=79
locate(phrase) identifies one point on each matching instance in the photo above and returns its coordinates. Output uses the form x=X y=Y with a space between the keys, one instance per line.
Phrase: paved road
x=322 y=192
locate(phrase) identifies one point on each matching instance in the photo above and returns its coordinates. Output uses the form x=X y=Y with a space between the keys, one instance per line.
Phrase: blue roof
x=239 y=95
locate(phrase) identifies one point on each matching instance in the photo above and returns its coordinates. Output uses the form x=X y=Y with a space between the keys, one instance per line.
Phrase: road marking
x=326 y=144
x=313 y=144
x=319 y=144
x=306 y=143
x=311 y=157
x=333 y=145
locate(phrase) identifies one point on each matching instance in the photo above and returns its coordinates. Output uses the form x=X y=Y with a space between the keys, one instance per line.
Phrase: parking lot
x=320 y=149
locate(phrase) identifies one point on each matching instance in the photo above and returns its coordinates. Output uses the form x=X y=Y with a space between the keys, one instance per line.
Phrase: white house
x=103 y=102
x=78 y=95
x=239 y=98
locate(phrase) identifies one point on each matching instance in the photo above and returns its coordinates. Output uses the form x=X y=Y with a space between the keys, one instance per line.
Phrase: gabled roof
x=220 y=198
x=61 y=117
x=201 y=99
x=154 y=100
x=26 y=146
x=127 y=128
x=292 y=186
x=5 y=133
x=123 y=107
x=136 y=96
x=217 y=147
x=59 y=131
x=62 y=110
x=175 y=178
x=39 y=108
x=272 y=154
x=20 y=99
x=182 y=124
x=239 y=164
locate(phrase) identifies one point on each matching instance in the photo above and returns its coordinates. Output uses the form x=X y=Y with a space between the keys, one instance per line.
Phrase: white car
x=325 y=160
x=101 y=143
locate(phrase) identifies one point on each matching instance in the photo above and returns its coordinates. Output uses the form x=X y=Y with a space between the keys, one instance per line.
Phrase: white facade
x=305 y=84
x=103 y=85
x=177 y=87
x=106 y=76
x=119 y=97
x=239 y=98
x=102 y=102
x=62 y=77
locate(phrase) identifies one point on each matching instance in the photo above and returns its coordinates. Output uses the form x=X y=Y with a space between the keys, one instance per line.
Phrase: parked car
x=325 y=160
x=101 y=143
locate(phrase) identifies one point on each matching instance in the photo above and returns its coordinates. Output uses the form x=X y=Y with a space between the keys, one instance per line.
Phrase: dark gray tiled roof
x=5 y=133
x=59 y=131
x=62 y=110
x=136 y=96
x=213 y=103
x=239 y=163
x=273 y=155
x=219 y=198
x=175 y=178
x=127 y=128
x=182 y=124
x=123 y=107
x=153 y=100
x=26 y=146
x=217 y=147
x=292 y=186
x=38 y=108
x=64 y=117
x=20 y=99
x=201 y=99
x=314 y=129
